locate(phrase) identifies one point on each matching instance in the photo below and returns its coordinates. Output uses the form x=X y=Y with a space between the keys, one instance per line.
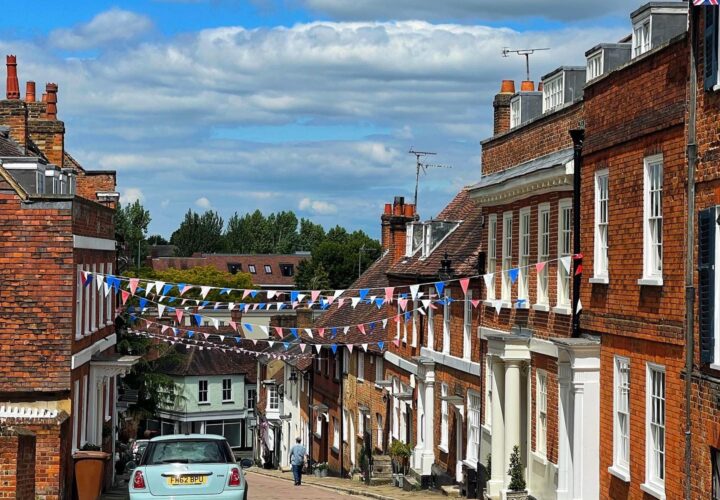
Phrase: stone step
x=451 y=491
x=411 y=484
x=378 y=481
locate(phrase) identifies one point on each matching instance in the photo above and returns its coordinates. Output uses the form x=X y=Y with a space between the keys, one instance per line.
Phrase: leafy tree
x=344 y=256
x=282 y=232
x=310 y=235
x=312 y=276
x=131 y=225
x=247 y=234
x=199 y=233
x=157 y=239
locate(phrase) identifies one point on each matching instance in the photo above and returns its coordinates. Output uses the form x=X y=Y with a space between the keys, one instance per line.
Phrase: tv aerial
x=422 y=166
x=522 y=52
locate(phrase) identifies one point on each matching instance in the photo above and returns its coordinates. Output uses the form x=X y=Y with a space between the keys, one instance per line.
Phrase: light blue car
x=192 y=466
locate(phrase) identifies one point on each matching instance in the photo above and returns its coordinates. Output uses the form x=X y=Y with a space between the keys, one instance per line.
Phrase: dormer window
x=515 y=112
x=594 y=65
x=553 y=92
x=39 y=182
x=434 y=232
x=414 y=238
x=641 y=37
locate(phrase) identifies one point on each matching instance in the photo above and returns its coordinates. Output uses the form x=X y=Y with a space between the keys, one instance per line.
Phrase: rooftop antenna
x=522 y=52
x=419 y=165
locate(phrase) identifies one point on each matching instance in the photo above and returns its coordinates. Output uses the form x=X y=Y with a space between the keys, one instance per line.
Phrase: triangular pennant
x=381 y=345
x=346 y=330
x=204 y=290
x=414 y=291
x=361 y=327
x=498 y=306
x=99 y=281
x=161 y=309
x=318 y=347
x=364 y=347
x=179 y=314
x=350 y=347
x=302 y=348
x=389 y=294
x=233 y=325
x=439 y=286
x=403 y=303
x=133 y=285
x=216 y=323
x=579 y=307
x=278 y=331
x=314 y=295
x=340 y=303
x=475 y=302
x=248 y=327
x=333 y=347
x=578 y=270
x=540 y=266
x=565 y=261
x=513 y=275
x=106 y=289
x=355 y=301
x=363 y=293
x=321 y=332
x=384 y=323
x=198 y=319
x=125 y=294
x=396 y=342
x=294 y=332
x=271 y=343
x=488 y=280
x=159 y=285
x=309 y=333
x=464 y=283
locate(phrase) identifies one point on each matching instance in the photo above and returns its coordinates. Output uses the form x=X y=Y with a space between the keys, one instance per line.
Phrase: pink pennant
x=278 y=332
x=464 y=282
x=133 y=285
x=396 y=342
x=179 y=314
x=540 y=266
x=321 y=332
x=246 y=293
x=125 y=295
x=350 y=347
x=340 y=303
x=314 y=295
x=186 y=288
x=302 y=347
x=361 y=327
x=389 y=294
x=84 y=275
x=475 y=302
x=233 y=325
x=403 y=303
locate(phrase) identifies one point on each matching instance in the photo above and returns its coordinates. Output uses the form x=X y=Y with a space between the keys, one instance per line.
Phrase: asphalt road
x=268 y=488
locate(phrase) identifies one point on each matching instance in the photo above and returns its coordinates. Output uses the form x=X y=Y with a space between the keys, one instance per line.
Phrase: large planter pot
x=323 y=473
x=89 y=473
x=516 y=495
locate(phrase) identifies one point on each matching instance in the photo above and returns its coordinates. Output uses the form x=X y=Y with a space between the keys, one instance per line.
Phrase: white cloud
x=203 y=202
x=165 y=203
x=317 y=207
x=131 y=195
x=112 y=26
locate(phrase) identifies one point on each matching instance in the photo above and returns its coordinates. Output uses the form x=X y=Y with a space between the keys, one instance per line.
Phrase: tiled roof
x=71 y=162
x=222 y=262
x=553 y=159
x=213 y=362
x=9 y=148
x=462 y=245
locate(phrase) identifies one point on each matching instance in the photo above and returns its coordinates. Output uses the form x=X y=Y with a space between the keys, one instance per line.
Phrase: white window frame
x=543 y=280
x=360 y=365
x=492 y=254
x=655 y=424
x=564 y=249
x=515 y=112
x=430 y=325
x=652 y=223
x=414 y=323
x=642 y=36
x=379 y=420
x=346 y=428
x=203 y=392
x=524 y=256
x=346 y=361
x=621 y=418
x=446 y=321
x=474 y=401
x=228 y=390
x=86 y=313
x=379 y=369
x=602 y=210
x=75 y=414
x=110 y=298
x=507 y=229
x=273 y=401
x=253 y=398
x=318 y=424
x=79 y=304
x=594 y=65
x=553 y=90
x=361 y=423
x=467 y=325
x=336 y=366
x=94 y=296
x=541 y=414
x=488 y=391
x=444 y=417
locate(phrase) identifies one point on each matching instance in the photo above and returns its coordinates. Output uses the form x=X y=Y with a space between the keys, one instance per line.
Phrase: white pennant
x=345 y=330
x=271 y=343
x=488 y=280
x=309 y=332
x=384 y=323
x=161 y=309
x=301 y=297
x=498 y=306
x=149 y=288
x=364 y=346
x=271 y=294
x=414 y=291
x=264 y=329
x=231 y=306
x=99 y=281
x=337 y=294
x=204 y=290
x=216 y=323
x=107 y=289
x=579 y=307
x=426 y=303
x=355 y=301
x=566 y=263
x=159 y=286
x=318 y=347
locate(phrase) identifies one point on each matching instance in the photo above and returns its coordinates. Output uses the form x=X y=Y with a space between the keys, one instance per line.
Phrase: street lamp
x=446 y=272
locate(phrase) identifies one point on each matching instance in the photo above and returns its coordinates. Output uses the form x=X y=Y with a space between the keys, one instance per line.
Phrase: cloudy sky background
x=307 y=105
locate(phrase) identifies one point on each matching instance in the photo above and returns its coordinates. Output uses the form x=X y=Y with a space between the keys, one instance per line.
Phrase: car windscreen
x=186 y=451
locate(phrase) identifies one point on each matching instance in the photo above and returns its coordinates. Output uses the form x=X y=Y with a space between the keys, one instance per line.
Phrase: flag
x=705 y=2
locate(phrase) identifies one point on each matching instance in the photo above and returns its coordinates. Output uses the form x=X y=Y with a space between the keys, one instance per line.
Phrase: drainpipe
x=689 y=251
x=342 y=412
x=311 y=421
x=578 y=136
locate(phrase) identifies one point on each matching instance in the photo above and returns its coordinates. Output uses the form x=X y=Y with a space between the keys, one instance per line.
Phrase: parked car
x=198 y=466
x=138 y=447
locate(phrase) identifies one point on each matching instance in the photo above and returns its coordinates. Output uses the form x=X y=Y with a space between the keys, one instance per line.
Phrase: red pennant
x=464 y=282
x=278 y=331
x=362 y=329
x=389 y=294
x=396 y=342
x=179 y=314
x=578 y=270
x=233 y=325
x=540 y=266
x=475 y=302
x=125 y=295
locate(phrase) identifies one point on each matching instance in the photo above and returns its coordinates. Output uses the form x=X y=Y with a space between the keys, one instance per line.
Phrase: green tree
x=247 y=234
x=344 y=256
x=312 y=276
x=157 y=239
x=198 y=233
x=283 y=233
x=310 y=235
x=131 y=225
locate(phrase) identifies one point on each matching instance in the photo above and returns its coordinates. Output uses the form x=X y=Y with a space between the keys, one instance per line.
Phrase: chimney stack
x=394 y=226
x=13 y=87
x=30 y=91
x=51 y=89
x=501 y=106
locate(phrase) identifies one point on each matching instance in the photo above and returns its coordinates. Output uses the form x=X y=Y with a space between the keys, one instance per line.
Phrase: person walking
x=297 y=459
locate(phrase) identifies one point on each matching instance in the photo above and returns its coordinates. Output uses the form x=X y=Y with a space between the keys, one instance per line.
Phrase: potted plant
x=89 y=471
x=516 y=488
x=400 y=453
x=321 y=470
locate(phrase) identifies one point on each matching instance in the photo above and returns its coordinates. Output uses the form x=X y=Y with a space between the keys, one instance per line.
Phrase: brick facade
x=17 y=458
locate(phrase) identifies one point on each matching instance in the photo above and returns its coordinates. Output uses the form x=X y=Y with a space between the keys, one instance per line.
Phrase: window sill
x=228 y=402
x=360 y=380
x=503 y=304
x=714 y=366
x=486 y=428
x=443 y=448
x=470 y=463
x=654 y=490
x=317 y=436
x=716 y=87
x=650 y=282
x=524 y=305
x=566 y=310
x=599 y=280
x=542 y=459
x=335 y=450
x=619 y=473
x=204 y=403
x=541 y=307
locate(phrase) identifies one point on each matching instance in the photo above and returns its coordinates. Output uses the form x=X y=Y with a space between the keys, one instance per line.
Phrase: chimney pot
x=507 y=87
x=388 y=208
x=527 y=86
x=397 y=209
x=409 y=210
x=540 y=87
x=13 y=87
x=51 y=89
x=44 y=97
x=30 y=91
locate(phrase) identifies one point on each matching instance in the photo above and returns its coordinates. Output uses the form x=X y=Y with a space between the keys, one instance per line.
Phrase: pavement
x=276 y=485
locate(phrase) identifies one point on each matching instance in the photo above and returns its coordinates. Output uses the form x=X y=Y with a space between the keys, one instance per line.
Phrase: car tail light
x=234 y=477
x=138 y=480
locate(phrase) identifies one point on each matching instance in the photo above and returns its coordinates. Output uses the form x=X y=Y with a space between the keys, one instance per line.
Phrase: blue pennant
x=363 y=293
x=181 y=286
x=381 y=345
x=334 y=332
x=88 y=279
x=294 y=331
x=224 y=291
x=237 y=339
x=143 y=303
x=407 y=316
x=205 y=302
x=379 y=302
x=131 y=310
x=198 y=319
x=172 y=299
x=294 y=296
x=325 y=305
x=334 y=348
x=372 y=326
x=166 y=289
x=439 y=286
x=175 y=331
x=253 y=294
x=261 y=306
x=190 y=333
x=287 y=345
x=513 y=274
x=281 y=305
x=248 y=327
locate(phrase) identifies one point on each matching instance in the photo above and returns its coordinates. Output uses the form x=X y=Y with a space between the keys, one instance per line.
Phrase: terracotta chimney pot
x=388 y=208
x=397 y=209
x=30 y=91
x=540 y=87
x=44 y=97
x=507 y=87
x=13 y=87
x=409 y=210
x=527 y=86
x=51 y=89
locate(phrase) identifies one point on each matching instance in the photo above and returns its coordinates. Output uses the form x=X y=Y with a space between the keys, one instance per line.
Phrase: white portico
x=424 y=454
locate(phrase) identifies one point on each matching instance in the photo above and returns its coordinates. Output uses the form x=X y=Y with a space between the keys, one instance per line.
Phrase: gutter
x=690 y=249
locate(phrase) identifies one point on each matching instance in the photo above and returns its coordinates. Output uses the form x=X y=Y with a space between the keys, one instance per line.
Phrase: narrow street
x=268 y=488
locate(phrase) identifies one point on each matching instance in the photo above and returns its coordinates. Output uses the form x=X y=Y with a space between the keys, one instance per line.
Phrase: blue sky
x=309 y=105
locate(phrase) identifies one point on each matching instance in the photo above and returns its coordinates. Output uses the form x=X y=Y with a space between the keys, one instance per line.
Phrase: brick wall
x=13 y=114
x=90 y=183
x=17 y=463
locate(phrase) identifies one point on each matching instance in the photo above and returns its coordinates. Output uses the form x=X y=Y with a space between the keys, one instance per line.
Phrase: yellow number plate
x=183 y=480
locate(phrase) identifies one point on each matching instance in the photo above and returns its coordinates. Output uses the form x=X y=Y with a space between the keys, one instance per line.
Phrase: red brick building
x=56 y=333
x=633 y=212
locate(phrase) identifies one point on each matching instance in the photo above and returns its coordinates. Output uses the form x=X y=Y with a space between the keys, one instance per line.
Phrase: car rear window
x=187 y=451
